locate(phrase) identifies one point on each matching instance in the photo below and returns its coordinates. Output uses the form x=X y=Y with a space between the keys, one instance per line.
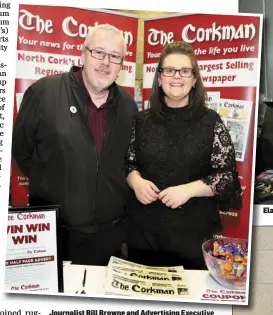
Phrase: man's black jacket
x=54 y=148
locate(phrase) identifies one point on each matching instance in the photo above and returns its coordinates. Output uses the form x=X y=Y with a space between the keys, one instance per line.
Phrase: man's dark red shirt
x=96 y=116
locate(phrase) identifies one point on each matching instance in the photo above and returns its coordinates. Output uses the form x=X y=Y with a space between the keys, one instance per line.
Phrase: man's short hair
x=106 y=28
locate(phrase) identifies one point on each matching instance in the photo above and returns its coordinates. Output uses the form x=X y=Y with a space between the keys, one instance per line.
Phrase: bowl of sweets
x=226 y=260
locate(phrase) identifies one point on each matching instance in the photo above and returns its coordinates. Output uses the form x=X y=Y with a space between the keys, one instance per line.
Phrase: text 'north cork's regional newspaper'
x=127 y=278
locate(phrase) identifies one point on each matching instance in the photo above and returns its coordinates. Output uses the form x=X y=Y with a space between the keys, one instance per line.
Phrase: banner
x=228 y=49
x=50 y=41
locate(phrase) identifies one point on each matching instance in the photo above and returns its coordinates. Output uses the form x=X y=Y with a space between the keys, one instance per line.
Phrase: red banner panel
x=228 y=49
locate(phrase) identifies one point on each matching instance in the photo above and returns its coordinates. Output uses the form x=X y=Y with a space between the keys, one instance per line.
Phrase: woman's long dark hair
x=197 y=94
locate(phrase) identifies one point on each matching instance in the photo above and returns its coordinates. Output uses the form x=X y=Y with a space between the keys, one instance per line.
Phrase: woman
x=181 y=167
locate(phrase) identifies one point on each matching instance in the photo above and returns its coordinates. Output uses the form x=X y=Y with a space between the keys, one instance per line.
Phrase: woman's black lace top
x=179 y=148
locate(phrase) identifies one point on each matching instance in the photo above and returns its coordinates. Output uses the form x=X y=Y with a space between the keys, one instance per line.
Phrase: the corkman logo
x=191 y=34
x=70 y=26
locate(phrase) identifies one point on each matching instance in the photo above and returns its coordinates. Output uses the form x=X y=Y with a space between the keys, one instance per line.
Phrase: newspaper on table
x=114 y=261
x=131 y=279
x=117 y=284
x=236 y=115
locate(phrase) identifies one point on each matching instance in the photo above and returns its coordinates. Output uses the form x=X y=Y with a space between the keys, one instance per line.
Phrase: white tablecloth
x=202 y=287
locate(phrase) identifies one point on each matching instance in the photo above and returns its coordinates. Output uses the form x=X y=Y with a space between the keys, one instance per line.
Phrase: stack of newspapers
x=130 y=279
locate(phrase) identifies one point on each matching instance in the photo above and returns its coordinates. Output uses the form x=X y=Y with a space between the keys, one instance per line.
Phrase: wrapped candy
x=226 y=259
x=232 y=260
x=231 y=252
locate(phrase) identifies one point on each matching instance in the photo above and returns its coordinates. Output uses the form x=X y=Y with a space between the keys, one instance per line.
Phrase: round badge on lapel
x=73 y=109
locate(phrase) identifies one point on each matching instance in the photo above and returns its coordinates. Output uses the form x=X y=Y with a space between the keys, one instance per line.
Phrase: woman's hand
x=175 y=196
x=145 y=190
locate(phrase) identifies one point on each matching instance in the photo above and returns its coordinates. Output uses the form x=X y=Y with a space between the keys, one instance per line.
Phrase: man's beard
x=101 y=84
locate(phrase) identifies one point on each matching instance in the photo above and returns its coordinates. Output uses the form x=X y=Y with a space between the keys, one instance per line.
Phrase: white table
x=202 y=287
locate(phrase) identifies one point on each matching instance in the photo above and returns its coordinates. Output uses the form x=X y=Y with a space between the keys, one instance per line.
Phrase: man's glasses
x=183 y=72
x=98 y=54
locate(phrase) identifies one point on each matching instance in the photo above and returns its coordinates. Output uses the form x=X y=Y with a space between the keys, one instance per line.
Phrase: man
x=70 y=139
